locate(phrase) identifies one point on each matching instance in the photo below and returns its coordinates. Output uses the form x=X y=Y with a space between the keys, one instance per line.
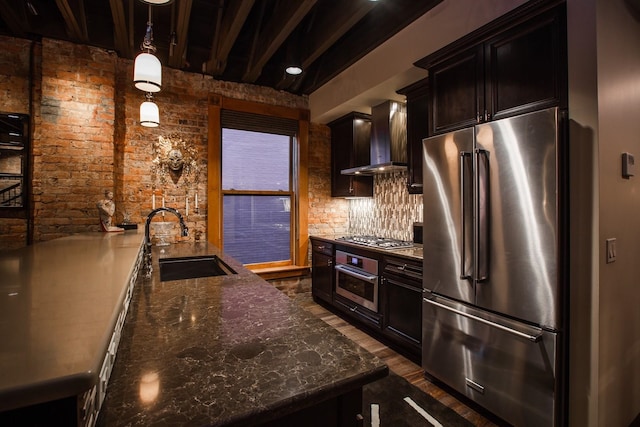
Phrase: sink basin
x=193 y=267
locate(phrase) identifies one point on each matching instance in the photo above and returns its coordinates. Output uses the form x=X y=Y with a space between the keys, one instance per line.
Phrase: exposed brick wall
x=73 y=144
x=183 y=103
x=86 y=138
x=327 y=215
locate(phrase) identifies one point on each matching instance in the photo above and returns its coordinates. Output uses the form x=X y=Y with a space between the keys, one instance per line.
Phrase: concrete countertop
x=59 y=302
x=226 y=350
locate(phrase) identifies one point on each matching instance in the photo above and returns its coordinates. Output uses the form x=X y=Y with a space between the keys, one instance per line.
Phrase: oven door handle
x=349 y=272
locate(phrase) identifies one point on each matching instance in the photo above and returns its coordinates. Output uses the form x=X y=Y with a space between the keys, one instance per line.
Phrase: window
x=257 y=184
x=14 y=147
x=257 y=195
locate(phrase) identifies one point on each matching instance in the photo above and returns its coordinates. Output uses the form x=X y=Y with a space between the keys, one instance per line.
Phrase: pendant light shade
x=147 y=73
x=149 y=113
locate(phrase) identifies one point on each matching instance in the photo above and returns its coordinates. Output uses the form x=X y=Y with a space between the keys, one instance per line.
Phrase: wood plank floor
x=396 y=362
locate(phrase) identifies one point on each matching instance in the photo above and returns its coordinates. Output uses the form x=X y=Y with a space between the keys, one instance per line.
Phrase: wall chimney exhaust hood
x=388 y=140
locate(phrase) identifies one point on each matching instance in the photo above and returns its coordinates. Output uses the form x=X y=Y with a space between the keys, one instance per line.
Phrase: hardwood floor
x=397 y=363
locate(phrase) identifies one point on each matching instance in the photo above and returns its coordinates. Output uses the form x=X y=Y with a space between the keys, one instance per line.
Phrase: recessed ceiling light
x=157 y=2
x=294 y=70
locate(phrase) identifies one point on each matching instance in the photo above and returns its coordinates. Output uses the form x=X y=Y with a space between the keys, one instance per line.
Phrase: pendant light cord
x=147 y=42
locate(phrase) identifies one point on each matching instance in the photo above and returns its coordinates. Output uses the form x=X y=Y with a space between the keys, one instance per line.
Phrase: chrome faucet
x=147 y=239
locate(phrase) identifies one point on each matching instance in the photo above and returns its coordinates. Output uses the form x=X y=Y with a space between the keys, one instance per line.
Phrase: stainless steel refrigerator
x=492 y=317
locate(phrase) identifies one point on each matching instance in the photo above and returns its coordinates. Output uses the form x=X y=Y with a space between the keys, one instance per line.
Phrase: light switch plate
x=628 y=165
x=611 y=250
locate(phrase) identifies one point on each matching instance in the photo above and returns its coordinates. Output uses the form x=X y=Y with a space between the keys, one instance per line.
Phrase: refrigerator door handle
x=532 y=338
x=481 y=209
x=463 y=222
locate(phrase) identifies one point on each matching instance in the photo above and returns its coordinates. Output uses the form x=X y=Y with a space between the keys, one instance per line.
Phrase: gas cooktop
x=377 y=242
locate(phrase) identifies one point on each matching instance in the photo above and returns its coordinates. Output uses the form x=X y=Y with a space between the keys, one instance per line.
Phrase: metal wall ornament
x=175 y=160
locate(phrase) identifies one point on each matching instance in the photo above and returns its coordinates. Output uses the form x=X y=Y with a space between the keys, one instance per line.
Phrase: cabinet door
x=322 y=276
x=417 y=129
x=403 y=311
x=524 y=67
x=350 y=136
x=457 y=91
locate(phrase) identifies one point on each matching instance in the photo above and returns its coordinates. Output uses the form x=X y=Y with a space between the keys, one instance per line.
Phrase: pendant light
x=149 y=112
x=147 y=70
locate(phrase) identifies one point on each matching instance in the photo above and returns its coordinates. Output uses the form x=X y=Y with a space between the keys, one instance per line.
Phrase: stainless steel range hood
x=388 y=140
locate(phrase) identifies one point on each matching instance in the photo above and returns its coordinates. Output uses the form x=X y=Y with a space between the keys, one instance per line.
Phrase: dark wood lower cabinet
x=322 y=260
x=398 y=321
x=361 y=314
x=344 y=410
x=403 y=312
x=401 y=290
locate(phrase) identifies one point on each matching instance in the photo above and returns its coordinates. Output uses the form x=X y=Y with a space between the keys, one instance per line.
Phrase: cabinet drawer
x=354 y=310
x=405 y=269
x=322 y=247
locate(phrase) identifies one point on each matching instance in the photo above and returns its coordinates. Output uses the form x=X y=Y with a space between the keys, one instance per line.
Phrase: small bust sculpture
x=106 y=209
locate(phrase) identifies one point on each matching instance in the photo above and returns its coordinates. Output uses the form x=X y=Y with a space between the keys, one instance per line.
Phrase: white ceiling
x=376 y=77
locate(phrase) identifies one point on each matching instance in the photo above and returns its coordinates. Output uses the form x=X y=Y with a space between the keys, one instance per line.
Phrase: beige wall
x=604 y=77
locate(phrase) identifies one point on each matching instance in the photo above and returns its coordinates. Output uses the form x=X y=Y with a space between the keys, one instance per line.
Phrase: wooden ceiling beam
x=76 y=23
x=329 y=27
x=178 y=59
x=287 y=16
x=232 y=22
x=18 y=26
x=120 y=32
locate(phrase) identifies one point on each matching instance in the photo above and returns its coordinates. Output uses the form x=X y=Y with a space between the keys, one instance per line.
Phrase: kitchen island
x=230 y=350
x=62 y=305
x=226 y=350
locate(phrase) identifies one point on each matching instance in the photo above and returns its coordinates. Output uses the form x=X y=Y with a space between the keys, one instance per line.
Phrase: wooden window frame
x=298 y=266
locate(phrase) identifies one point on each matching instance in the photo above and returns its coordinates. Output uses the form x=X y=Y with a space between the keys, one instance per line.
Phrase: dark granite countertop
x=226 y=350
x=414 y=252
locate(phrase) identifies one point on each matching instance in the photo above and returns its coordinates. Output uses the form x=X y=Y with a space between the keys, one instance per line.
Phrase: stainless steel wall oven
x=357 y=279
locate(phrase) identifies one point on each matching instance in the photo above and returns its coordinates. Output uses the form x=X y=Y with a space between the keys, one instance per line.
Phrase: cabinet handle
x=487 y=116
x=329 y=263
x=321 y=247
x=478 y=117
x=402 y=267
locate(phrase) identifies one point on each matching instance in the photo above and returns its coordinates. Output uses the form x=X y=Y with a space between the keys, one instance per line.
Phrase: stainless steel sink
x=193 y=267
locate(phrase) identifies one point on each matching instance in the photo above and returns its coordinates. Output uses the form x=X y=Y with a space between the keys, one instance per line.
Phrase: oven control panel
x=363 y=263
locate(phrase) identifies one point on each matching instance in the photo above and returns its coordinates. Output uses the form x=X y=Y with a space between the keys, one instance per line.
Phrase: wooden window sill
x=281 y=272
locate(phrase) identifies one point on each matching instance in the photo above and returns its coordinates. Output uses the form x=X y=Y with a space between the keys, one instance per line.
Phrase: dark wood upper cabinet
x=515 y=64
x=350 y=147
x=457 y=91
x=524 y=67
x=417 y=96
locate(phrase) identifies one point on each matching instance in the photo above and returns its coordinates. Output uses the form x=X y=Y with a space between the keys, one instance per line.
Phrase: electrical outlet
x=611 y=250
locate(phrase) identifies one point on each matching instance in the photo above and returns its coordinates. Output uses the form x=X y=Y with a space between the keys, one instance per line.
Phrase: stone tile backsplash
x=391 y=211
